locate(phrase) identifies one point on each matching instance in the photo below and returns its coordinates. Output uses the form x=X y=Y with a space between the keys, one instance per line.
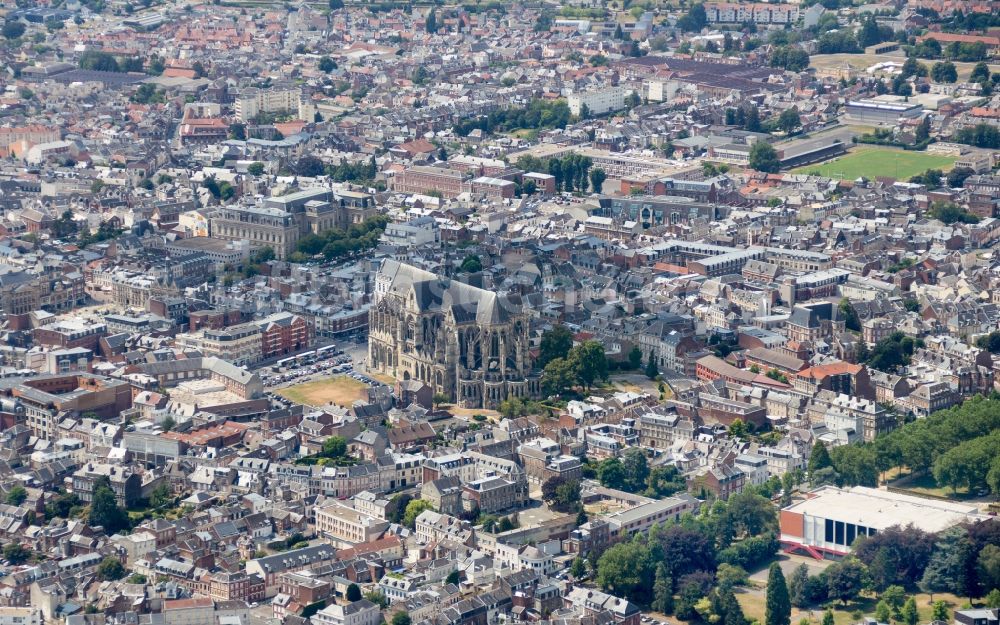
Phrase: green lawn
x=873 y=161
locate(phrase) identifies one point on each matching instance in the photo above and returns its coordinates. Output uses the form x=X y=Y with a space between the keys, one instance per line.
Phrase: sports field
x=873 y=161
x=340 y=390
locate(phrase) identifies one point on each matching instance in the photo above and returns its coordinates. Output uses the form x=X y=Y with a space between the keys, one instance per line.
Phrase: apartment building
x=424 y=179
x=252 y=102
x=598 y=101
x=757 y=13
x=347 y=526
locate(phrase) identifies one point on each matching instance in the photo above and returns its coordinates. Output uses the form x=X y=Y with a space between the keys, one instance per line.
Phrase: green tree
x=454 y=578
x=612 y=474
x=353 y=593
x=413 y=510
x=430 y=22
x=326 y=65
x=160 y=496
x=909 y=614
x=797 y=586
x=789 y=120
x=663 y=591
x=15 y=553
x=559 y=375
x=944 y=72
x=592 y=363
x=730 y=576
x=828 y=617
x=988 y=566
x=883 y=613
x=635 y=357
x=651 y=369
x=378 y=598
x=255 y=168
x=168 y=423
x=764 y=158
x=12 y=29
x=401 y=618
x=335 y=447
x=738 y=429
x=846 y=579
x=777 y=607
x=555 y=343
x=993 y=598
x=104 y=508
x=851 y=320
x=946 y=570
x=110 y=569
x=17 y=495
x=439 y=399
x=636 y=470
x=939 y=612
x=471 y=264
x=578 y=568
x=819 y=458
x=597 y=178
x=624 y=570
x=895 y=597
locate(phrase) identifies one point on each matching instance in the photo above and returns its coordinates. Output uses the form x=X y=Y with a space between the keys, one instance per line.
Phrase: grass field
x=340 y=390
x=752 y=601
x=873 y=161
x=860 y=62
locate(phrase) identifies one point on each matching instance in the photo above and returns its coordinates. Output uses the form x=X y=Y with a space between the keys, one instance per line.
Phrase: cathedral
x=460 y=340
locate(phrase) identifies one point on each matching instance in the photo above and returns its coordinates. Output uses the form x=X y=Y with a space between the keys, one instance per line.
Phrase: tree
x=413 y=510
x=559 y=375
x=353 y=593
x=635 y=357
x=624 y=570
x=378 y=598
x=611 y=473
x=694 y=20
x=12 y=29
x=924 y=130
x=104 y=508
x=988 y=567
x=778 y=607
x=336 y=5
x=651 y=369
x=401 y=618
x=909 y=614
x=335 y=447
x=168 y=423
x=883 y=613
x=555 y=343
x=15 y=553
x=453 y=578
x=944 y=72
x=17 y=495
x=847 y=578
x=161 y=495
x=326 y=65
x=730 y=576
x=789 y=120
x=597 y=178
x=946 y=570
x=819 y=458
x=309 y=166
x=663 y=591
x=430 y=22
x=636 y=470
x=957 y=176
x=255 y=169
x=939 y=612
x=562 y=494
x=895 y=556
x=592 y=363
x=110 y=569
x=797 y=586
x=764 y=158
x=993 y=599
x=471 y=264
x=895 y=597
x=851 y=320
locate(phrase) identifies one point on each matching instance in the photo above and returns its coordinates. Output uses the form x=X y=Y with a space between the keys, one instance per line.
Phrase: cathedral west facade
x=460 y=340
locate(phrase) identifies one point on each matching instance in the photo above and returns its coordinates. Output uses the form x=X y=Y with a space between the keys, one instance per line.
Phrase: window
x=828 y=533
x=839 y=533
